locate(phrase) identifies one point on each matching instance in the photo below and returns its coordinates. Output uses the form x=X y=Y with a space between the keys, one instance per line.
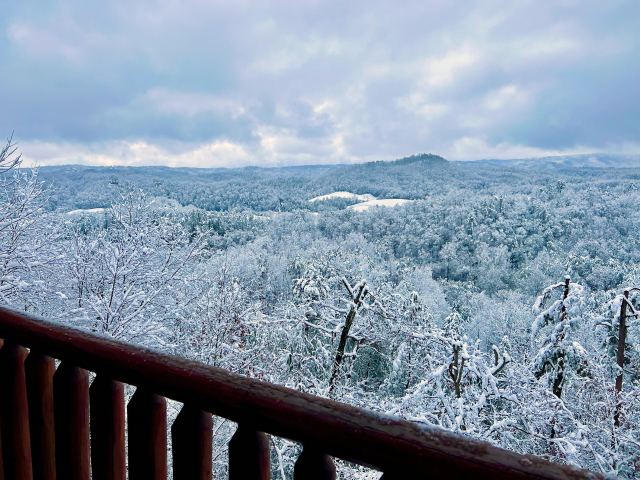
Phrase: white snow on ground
x=363 y=198
x=90 y=210
x=389 y=202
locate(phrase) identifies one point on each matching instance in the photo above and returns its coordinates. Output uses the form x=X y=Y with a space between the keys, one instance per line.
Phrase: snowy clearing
x=90 y=210
x=389 y=202
x=363 y=198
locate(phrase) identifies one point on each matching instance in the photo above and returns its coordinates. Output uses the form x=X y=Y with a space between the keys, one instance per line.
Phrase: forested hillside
x=259 y=189
x=488 y=305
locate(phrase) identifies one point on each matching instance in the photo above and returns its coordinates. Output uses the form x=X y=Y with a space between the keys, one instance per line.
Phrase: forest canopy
x=488 y=304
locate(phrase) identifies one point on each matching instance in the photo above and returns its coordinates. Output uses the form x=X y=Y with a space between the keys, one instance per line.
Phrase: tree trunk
x=341 y=346
x=359 y=297
x=559 y=381
x=622 y=334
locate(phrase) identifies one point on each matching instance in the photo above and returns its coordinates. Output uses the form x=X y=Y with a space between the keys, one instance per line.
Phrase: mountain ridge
x=582 y=160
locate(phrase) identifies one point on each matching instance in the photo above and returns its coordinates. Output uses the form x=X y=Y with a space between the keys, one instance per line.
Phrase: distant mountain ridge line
x=582 y=160
x=289 y=188
x=417 y=158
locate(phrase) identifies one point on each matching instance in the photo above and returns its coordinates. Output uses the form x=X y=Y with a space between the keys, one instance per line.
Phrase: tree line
x=496 y=304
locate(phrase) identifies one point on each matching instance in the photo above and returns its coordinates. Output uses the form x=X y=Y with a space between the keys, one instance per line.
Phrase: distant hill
x=424 y=159
x=257 y=188
x=290 y=188
x=588 y=160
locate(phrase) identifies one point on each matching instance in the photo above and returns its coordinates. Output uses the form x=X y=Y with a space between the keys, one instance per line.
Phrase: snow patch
x=388 y=202
x=90 y=210
x=362 y=198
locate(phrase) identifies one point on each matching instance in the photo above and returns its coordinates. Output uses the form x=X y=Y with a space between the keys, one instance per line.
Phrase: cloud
x=441 y=71
x=509 y=96
x=138 y=153
x=188 y=104
x=41 y=43
x=471 y=148
x=237 y=83
x=294 y=54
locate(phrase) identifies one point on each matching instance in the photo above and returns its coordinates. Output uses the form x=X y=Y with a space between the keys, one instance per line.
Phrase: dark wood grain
x=147 y=424
x=249 y=454
x=314 y=465
x=71 y=417
x=14 y=413
x=345 y=432
x=108 y=461
x=1 y=463
x=39 y=372
x=192 y=444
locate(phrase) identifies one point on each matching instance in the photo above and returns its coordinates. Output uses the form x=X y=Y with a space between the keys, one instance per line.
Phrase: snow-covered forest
x=488 y=304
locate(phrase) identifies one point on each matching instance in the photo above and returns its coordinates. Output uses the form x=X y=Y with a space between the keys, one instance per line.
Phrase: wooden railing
x=49 y=417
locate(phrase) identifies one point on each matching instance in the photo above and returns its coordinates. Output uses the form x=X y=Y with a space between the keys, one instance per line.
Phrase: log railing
x=49 y=417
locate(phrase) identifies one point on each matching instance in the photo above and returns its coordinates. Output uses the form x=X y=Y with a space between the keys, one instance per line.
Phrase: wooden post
x=192 y=441
x=249 y=455
x=108 y=461
x=71 y=415
x=39 y=372
x=1 y=464
x=314 y=465
x=147 y=423
x=14 y=413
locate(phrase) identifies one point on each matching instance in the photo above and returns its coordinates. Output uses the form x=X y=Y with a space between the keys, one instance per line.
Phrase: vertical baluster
x=71 y=417
x=14 y=413
x=314 y=465
x=249 y=457
x=147 y=423
x=108 y=460
x=1 y=464
x=192 y=441
x=39 y=371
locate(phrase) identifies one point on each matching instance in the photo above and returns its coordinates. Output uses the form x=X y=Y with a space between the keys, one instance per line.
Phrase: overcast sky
x=233 y=83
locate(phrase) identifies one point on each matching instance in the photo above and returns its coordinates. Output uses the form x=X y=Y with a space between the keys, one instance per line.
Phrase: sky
x=245 y=82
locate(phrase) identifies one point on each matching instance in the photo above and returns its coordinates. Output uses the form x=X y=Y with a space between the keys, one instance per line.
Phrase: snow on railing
x=54 y=424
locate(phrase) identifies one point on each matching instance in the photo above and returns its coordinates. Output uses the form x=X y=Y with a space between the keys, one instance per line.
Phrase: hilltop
x=290 y=188
x=260 y=189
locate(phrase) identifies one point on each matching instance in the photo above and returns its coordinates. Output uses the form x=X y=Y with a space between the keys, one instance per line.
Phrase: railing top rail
x=360 y=436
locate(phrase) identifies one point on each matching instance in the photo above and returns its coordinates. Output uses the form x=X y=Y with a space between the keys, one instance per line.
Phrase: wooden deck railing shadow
x=48 y=416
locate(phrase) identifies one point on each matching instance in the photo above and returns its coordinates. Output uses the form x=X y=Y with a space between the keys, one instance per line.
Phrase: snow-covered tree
x=357 y=296
x=556 y=320
x=617 y=331
x=124 y=276
x=217 y=321
x=27 y=237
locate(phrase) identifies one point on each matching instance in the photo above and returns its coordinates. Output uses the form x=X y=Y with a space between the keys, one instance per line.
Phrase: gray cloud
x=209 y=83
